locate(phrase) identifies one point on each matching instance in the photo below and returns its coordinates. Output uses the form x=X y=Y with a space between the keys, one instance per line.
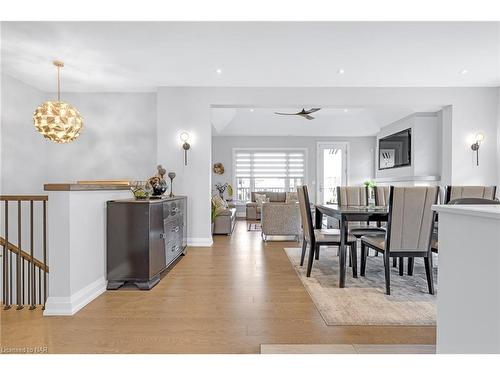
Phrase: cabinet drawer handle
x=162 y=235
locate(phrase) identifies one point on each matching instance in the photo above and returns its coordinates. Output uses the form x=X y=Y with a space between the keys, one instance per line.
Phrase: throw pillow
x=219 y=203
x=291 y=197
x=260 y=199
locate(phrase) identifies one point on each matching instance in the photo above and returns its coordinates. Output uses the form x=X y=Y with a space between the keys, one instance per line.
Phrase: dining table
x=346 y=214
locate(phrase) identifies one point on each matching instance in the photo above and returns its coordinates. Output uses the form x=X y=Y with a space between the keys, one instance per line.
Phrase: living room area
x=261 y=155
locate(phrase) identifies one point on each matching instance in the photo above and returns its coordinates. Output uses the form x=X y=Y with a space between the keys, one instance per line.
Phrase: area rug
x=254 y=227
x=363 y=301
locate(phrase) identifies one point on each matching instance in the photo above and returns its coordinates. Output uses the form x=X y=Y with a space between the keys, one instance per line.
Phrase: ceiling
x=140 y=56
x=330 y=121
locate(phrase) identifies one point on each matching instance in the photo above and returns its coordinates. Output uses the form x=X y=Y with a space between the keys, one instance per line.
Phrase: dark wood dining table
x=345 y=214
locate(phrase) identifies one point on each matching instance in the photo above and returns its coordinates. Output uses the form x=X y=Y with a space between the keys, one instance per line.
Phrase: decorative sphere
x=58 y=121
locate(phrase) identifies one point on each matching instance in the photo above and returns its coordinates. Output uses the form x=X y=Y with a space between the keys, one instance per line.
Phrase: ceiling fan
x=304 y=113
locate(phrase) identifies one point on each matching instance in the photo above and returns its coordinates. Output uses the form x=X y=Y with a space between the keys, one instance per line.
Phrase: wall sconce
x=479 y=138
x=184 y=136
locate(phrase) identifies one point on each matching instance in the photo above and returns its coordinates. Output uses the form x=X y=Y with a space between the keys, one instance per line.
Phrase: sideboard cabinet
x=144 y=237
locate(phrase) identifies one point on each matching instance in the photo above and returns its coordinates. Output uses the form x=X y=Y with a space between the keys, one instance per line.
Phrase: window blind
x=272 y=164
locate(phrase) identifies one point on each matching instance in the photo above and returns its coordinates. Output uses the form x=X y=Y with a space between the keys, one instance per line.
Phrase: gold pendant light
x=56 y=120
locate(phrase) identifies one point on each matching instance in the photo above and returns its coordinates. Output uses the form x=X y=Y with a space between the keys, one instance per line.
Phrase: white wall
x=24 y=151
x=426 y=143
x=361 y=155
x=118 y=139
x=498 y=134
x=474 y=109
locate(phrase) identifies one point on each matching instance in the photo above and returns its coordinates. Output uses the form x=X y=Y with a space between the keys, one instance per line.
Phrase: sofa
x=253 y=211
x=225 y=220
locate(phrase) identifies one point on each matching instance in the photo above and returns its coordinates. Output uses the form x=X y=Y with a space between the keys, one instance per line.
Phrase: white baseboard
x=71 y=305
x=200 y=241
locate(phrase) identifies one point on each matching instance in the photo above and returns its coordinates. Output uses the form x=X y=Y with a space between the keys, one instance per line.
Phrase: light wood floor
x=229 y=298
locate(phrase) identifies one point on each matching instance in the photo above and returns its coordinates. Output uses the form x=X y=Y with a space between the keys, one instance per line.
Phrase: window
x=268 y=170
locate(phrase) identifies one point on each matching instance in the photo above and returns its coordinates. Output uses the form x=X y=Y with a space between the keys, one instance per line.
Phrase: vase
x=159 y=188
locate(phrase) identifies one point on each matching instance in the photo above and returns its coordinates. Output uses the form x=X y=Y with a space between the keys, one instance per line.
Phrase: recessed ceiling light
x=341 y=71
x=218 y=71
x=251 y=109
x=346 y=110
x=464 y=71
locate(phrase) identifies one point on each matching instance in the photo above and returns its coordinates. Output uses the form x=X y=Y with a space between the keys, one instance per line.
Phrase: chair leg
x=401 y=266
x=354 y=257
x=311 y=258
x=428 y=272
x=387 y=269
x=364 y=255
x=350 y=256
x=376 y=253
x=410 y=266
x=303 y=255
x=316 y=254
x=394 y=262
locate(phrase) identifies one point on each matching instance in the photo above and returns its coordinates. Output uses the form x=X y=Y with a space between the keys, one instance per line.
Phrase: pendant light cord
x=58 y=83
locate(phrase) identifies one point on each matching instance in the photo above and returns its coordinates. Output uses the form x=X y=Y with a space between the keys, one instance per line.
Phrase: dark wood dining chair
x=357 y=196
x=409 y=230
x=453 y=192
x=316 y=238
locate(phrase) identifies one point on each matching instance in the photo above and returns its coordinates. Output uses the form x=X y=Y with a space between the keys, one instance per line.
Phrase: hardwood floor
x=229 y=298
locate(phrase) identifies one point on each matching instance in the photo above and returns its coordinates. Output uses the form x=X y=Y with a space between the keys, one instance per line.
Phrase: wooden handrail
x=24 y=255
x=24 y=197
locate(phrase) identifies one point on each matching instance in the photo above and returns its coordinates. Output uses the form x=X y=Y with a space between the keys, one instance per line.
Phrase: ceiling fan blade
x=287 y=114
x=312 y=110
x=308 y=117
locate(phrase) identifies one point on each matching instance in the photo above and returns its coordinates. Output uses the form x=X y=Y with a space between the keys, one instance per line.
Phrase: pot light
x=464 y=71
x=251 y=109
x=346 y=110
x=341 y=71
x=218 y=71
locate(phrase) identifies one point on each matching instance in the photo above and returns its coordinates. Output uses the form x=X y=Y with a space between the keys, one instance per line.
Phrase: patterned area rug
x=254 y=227
x=363 y=301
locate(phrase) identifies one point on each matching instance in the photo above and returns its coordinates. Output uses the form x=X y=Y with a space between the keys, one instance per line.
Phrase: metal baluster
x=18 y=257
x=32 y=260
x=24 y=285
x=44 y=253
x=6 y=259
x=39 y=286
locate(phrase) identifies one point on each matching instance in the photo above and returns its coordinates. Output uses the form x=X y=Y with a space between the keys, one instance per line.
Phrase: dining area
x=397 y=223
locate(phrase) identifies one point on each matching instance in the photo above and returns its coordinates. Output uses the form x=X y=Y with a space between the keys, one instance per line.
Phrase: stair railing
x=24 y=279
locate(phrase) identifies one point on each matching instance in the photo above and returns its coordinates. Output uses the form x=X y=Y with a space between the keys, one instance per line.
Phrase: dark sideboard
x=144 y=237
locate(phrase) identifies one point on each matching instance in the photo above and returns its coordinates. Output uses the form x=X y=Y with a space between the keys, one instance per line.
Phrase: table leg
x=343 y=240
x=318 y=219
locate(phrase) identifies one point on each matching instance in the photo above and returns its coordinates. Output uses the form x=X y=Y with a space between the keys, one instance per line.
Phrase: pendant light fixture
x=56 y=120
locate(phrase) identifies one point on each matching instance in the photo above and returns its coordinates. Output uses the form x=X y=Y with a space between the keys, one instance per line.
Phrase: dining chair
x=316 y=238
x=409 y=230
x=456 y=192
x=382 y=195
x=357 y=196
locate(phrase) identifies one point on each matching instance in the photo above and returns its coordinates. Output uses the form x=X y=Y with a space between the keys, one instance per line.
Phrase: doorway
x=331 y=170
